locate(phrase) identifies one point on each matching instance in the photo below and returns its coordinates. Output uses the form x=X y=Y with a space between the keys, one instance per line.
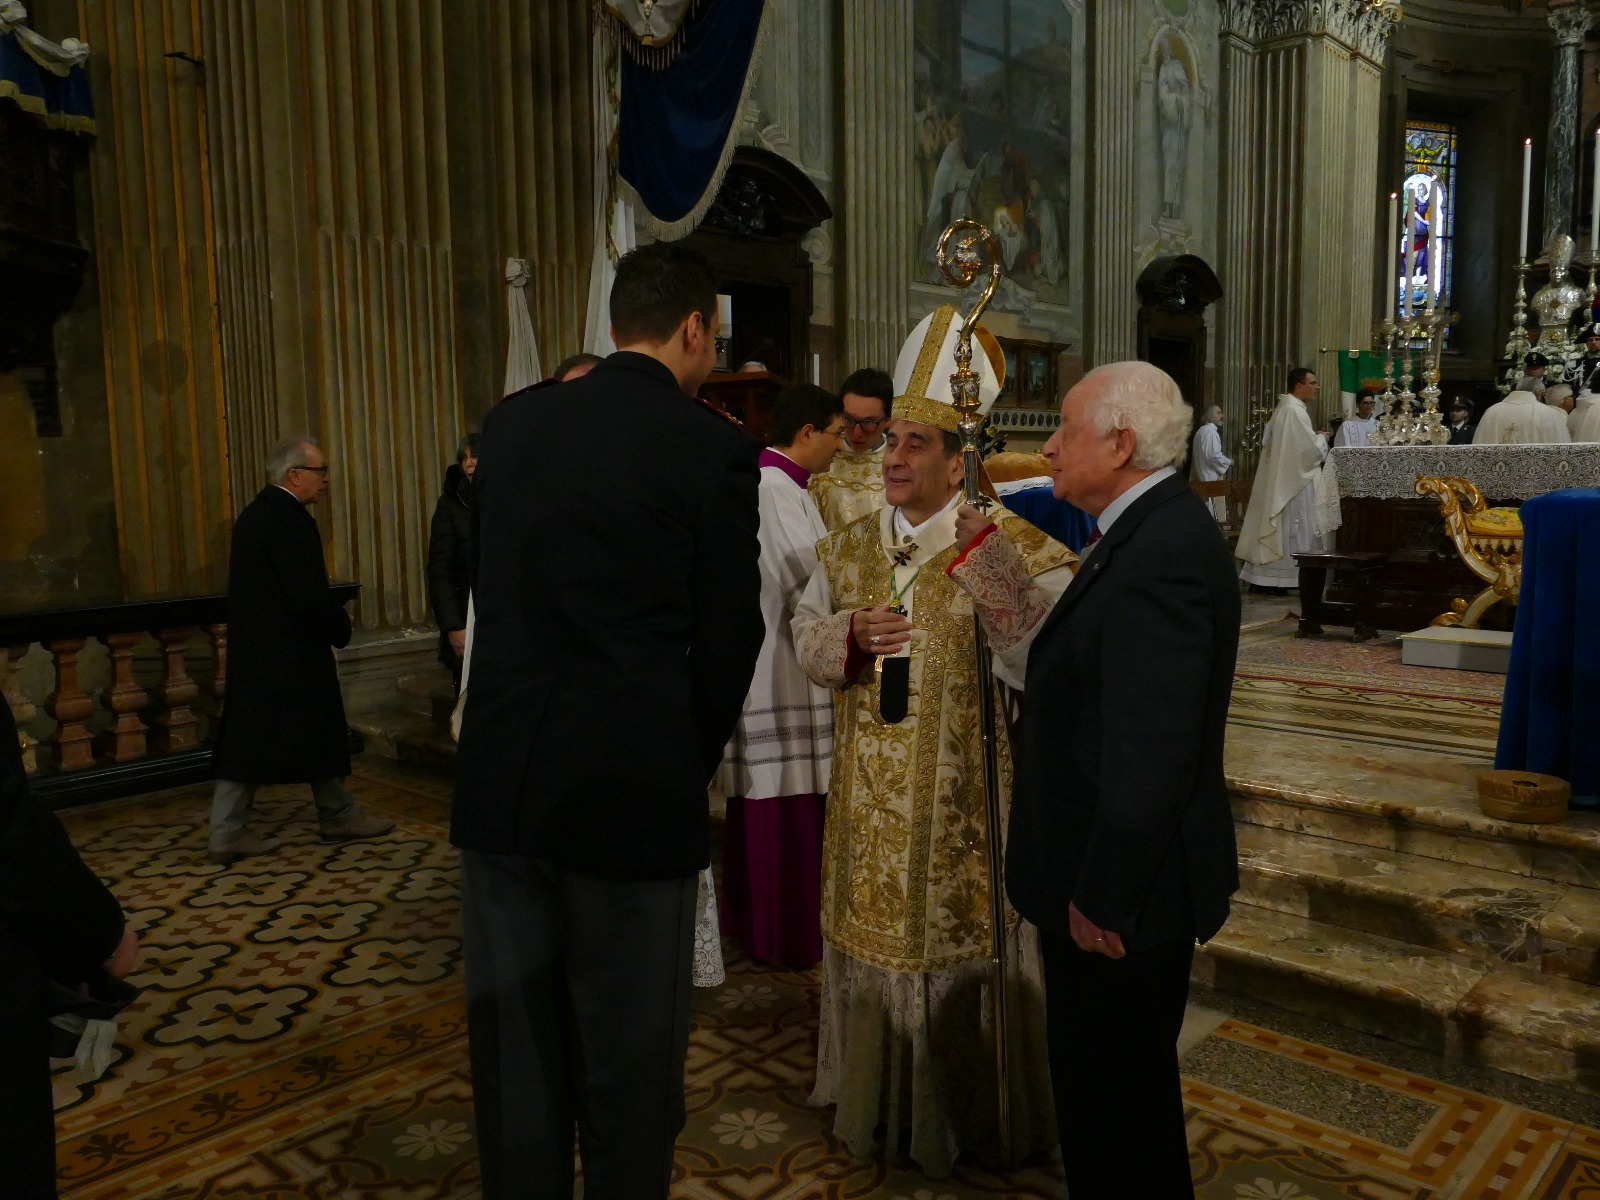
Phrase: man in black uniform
x=618 y=621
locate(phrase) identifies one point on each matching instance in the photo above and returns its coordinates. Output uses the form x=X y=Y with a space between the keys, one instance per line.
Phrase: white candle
x=1411 y=245
x=1435 y=267
x=816 y=369
x=1392 y=248
x=1594 y=200
x=1527 y=177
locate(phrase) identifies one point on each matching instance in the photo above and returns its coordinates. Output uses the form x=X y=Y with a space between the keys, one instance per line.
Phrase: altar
x=1367 y=496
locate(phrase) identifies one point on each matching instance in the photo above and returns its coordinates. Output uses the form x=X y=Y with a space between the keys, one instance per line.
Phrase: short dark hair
x=575 y=360
x=657 y=287
x=799 y=405
x=467 y=445
x=951 y=443
x=870 y=381
x=1297 y=376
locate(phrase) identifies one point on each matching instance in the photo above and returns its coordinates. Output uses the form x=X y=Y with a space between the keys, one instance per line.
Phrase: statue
x=1173 y=112
x=1556 y=301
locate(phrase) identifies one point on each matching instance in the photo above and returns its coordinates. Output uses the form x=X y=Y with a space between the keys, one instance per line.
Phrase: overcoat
x=283 y=719
x=450 y=559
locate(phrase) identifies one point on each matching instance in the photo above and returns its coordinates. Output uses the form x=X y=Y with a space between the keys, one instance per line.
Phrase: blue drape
x=1550 y=721
x=1038 y=506
x=60 y=101
x=674 y=122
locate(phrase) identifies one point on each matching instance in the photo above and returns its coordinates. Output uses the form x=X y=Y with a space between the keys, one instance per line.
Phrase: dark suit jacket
x=450 y=558
x=617 y=598
x=283 y=720
x=1119 y=803
x=1462 y=436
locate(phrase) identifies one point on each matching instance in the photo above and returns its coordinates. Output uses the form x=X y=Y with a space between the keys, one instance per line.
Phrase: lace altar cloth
x=1501 y=472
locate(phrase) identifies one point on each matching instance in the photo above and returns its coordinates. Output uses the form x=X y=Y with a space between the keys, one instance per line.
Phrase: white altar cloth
x=1500 y=472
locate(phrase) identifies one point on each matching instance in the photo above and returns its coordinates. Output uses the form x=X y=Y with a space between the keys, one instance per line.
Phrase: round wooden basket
x=1524 y=796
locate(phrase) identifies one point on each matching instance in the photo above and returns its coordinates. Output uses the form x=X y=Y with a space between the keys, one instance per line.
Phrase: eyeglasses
x=865 y=424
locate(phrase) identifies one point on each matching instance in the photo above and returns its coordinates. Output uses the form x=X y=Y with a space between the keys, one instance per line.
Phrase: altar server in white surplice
x=1357 y=431
x=1207 y=462
x=1520 y=420
x=775 y=770
x=1583 y=422
x=1280 y=521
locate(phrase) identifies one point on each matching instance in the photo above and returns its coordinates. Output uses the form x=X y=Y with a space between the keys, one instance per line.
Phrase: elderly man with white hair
x=1522 y=419
x=1121 y=846
x=1583 y=422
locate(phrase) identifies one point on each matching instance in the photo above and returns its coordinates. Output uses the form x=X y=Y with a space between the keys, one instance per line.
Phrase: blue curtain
x=62 y=102
x=674 y=121
x=1550 y=721
x=1038 y=506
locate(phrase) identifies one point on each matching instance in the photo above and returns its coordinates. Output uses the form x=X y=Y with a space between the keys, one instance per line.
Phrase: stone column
x=876 y=241
x=1111 y=304
x=1236 y=213
x=1571 y=23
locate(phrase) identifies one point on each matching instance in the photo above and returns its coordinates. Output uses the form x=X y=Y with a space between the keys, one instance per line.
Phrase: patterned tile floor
x=301 y=1036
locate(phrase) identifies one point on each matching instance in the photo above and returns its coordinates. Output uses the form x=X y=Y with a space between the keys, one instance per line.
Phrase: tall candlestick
x=1527 y=176
x=1411 y=245
x=1594 y=202
x=1391 y=248
x=1435 y=267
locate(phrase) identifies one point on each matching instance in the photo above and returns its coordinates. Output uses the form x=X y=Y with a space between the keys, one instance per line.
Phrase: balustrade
x=152 y=723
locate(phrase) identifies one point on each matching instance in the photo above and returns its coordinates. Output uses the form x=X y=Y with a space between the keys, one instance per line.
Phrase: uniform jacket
x=617 y=622
x=283 y=720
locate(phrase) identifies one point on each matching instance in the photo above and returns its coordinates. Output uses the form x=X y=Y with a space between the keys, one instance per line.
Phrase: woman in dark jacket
x=58 y=924
x=449 y=567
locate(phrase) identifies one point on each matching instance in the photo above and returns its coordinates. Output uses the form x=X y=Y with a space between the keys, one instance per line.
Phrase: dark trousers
x=1113 y=1032
x=27 y=1116
x=578 y=1017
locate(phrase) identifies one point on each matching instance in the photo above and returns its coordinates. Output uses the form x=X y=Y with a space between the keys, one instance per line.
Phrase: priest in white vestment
x=853 y=485
x=1521 y=419
x=1281 y=519
x=775 y=769
x=1583 y=422
x=1207 y=462
x=1358 y=430
x=887 y=622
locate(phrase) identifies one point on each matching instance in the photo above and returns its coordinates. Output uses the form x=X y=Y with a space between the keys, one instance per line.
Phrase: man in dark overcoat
x=1121 y=846
x=618 y=619
x=58 y=923
x=283 y=720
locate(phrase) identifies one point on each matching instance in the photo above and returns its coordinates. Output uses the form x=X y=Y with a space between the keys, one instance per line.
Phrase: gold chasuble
x=905 y=882
x=851 y=488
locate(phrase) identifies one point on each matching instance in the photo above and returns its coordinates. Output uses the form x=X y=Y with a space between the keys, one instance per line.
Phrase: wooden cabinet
x=748 y=397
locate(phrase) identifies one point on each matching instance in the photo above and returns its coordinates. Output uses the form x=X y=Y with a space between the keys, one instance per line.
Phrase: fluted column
x=877 y=237
x=153 y=255
x=1111 y=305
x=1236 y=208
x=1571 y=23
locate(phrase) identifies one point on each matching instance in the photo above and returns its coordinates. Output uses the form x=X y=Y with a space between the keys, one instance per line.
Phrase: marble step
x=1493 y=916
x=1504 y=1016
x=1410 y=801
x=430 y=694
x=408 y=737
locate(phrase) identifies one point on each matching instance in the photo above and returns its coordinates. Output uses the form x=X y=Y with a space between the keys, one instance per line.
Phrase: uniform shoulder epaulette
x=721 y=412
x=532 y=387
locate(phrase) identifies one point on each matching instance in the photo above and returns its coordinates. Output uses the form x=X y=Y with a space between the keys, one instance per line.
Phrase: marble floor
x=301 y=1035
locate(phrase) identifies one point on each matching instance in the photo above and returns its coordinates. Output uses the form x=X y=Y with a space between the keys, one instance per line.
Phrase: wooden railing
x=157 y=735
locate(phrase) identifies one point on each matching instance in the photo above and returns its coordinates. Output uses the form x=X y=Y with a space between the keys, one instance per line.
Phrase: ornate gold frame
x=1490 y=546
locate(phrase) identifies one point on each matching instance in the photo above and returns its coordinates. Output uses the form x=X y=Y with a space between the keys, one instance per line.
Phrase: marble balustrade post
x=1570 y=23
x=22 y=709
x=177 y=728
x=125 y=740
x=71 y=707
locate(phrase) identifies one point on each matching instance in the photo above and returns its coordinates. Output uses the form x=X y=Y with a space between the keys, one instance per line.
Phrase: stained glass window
x=1429 y=188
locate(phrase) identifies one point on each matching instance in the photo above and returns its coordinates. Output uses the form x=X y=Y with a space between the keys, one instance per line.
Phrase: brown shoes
x=358 y=826
x=243 y=848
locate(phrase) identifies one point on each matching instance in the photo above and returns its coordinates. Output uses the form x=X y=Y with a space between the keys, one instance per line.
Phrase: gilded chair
x=1489 y=541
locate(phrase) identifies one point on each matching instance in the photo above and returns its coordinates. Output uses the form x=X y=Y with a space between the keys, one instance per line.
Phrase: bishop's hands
x=970 y=524
x=1091 y=939
x=879 y=630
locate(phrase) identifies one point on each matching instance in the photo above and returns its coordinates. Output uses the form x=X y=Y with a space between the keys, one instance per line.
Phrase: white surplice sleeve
x=821 y=635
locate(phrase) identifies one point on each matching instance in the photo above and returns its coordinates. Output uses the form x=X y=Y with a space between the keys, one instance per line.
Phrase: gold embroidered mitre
x=928 y=359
